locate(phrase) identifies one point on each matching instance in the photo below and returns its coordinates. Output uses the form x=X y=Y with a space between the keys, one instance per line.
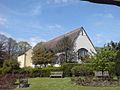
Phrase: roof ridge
x=68 y=33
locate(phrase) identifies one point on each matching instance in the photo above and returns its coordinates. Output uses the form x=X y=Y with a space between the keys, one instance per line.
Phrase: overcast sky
x=42 y=20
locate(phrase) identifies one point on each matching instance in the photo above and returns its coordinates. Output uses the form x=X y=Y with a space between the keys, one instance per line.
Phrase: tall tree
x=11 y=49
x=104 y=60
x=23 y=46
x=65 y=45
x=38 y=46
x=3 y=54
x=115 y=46
x=42 y=56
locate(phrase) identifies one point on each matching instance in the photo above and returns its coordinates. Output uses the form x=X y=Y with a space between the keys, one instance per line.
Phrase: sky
x=42 y=20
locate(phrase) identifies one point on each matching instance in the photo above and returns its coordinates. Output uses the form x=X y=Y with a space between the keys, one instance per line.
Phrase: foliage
x=38 y=72
x=67 y=68
x=10 y=49
x=31 y=72
x=60 y=84
x=115 y=47
x=38 y=46
x=7 y=82
x=46 y=71
x=103 y=60
x=10 y=66
x=43 y=56
x=94 y=82
x=81 y=70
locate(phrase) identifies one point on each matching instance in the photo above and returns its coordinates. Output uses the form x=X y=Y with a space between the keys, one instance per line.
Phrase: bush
x=31 y=72
x=0 y=71
x=36 y=72
x=10 y=66
x=39 y=72
x=7 y=82
x=46 y=71
x=67 y=68
x=82 y=70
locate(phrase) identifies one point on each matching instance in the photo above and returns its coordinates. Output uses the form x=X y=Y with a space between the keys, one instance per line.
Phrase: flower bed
x=87 y=81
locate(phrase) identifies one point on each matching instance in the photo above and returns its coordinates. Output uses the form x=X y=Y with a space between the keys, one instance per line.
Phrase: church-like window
x=82 y=53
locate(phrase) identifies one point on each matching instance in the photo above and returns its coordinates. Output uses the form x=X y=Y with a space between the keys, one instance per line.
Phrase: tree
x=65 y=45
x=111 y=2
x=10 y=66
x=23 y=46
x=104 y=60
x=11 y=49
x=115 y=47
x=38 y=46
x=43 y=56
x=3 y=54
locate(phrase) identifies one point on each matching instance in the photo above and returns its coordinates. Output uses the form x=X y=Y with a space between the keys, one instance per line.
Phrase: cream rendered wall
x=21 y=60
x=83 y=41
x=29 y=58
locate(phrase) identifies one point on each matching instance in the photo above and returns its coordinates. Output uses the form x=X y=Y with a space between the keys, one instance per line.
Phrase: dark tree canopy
x=11 y=48
x=110 y=2
x=43 y=56
x=23 y=46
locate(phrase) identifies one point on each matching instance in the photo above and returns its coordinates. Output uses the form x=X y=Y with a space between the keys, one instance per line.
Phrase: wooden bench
x=101 y=74
x=56 y=74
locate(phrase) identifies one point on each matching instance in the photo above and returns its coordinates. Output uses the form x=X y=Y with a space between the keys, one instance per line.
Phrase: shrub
x=9 y=66
x=81 y=70
x=38 y=72
x=0 y=71
x=27 y=71
x=46 y=71
x=7 y=82
x=67 y=68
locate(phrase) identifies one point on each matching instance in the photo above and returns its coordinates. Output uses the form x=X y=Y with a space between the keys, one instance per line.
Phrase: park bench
x=56 y=74
x=100 y=74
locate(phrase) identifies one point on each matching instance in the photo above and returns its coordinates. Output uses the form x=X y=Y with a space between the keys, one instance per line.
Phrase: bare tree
x=3 y=40
x=65 y=45
x=23 y=46
x=11 y=49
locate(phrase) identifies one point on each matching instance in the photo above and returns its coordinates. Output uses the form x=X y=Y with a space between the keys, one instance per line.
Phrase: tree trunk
x=66 y=56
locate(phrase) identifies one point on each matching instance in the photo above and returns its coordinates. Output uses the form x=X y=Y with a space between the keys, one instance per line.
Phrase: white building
x=82 y=46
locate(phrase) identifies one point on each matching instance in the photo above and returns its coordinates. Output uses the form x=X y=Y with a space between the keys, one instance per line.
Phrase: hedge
x=82 y=70
x=67 y=68
x=46 y=71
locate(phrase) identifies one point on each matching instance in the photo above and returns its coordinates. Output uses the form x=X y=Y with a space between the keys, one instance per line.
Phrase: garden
x=106 y=63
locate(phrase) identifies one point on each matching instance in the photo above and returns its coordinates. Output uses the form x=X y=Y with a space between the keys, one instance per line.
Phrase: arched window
x=82 y=53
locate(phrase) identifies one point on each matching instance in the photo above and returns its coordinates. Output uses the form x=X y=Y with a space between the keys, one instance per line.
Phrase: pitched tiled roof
x=72 y=35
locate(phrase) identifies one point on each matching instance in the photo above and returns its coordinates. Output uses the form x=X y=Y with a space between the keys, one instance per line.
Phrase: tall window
x=82 y=53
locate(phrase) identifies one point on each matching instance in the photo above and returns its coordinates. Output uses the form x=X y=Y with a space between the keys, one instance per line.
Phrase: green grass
x=60 y=84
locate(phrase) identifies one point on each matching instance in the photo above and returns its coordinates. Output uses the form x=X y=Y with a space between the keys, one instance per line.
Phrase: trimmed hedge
x=82 y=70
x=46 y=71
x=39 y=72
x=67 y=68
x=31 y=72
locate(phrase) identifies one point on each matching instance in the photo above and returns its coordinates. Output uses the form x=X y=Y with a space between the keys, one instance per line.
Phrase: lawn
x=60 y=84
